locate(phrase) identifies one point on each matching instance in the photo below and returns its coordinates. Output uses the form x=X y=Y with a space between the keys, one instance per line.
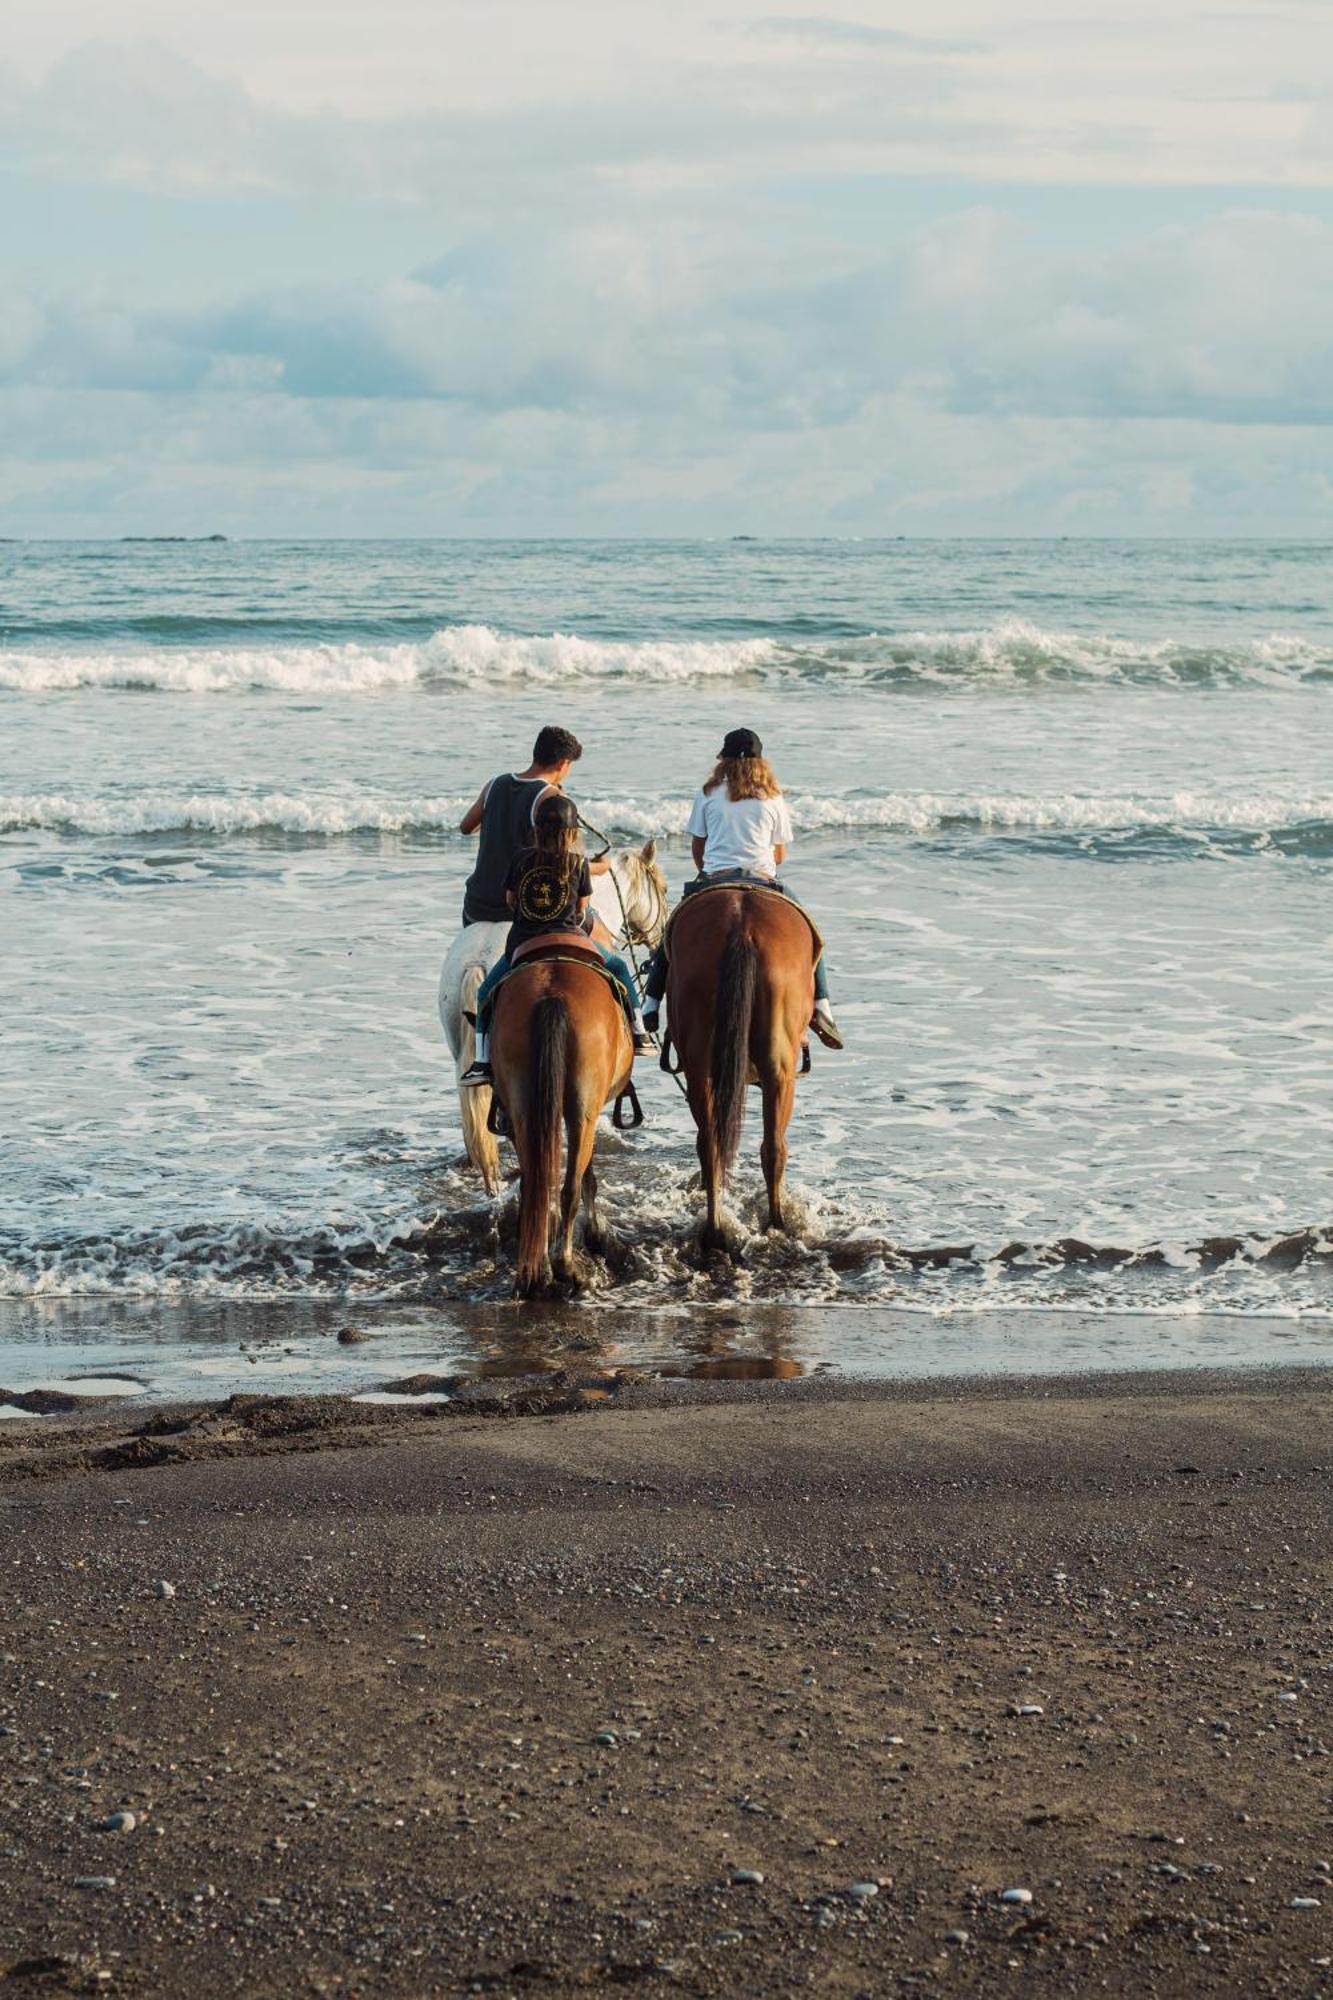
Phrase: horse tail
x=475 y=1105
x=729 y=1068
x=548 y=1052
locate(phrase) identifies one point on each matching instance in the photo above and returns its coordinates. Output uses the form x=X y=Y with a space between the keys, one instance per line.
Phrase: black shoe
x=650 y=1020
x=643 y=1042
x=472 y=1079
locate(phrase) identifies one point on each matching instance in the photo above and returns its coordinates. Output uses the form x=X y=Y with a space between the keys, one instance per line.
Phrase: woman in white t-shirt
x=740 y=826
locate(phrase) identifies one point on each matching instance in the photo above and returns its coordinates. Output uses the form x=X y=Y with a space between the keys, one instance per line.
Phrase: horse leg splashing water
x=560 y=1049
x=740 y=991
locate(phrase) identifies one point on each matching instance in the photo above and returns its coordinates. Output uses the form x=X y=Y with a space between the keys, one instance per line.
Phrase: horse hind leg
x=594 y=1236
x=474 y=1106
x=715 y=1234
x=580 y=1138
x=779 y=1092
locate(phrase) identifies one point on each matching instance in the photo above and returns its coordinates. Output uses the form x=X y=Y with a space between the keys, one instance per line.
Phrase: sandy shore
x=503 y=1698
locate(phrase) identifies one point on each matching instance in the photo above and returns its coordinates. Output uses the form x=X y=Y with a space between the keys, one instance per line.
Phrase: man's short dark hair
x=555 y=746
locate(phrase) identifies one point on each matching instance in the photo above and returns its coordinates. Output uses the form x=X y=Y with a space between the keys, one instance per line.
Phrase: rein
x=635 y=933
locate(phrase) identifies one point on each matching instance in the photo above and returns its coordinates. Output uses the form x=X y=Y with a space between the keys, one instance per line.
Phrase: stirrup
x=497 y=1121
x=664 y=1060
x=627 y=1122
x=806 y=1064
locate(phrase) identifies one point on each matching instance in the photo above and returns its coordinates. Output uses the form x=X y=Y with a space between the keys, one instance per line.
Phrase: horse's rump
x=769 y=893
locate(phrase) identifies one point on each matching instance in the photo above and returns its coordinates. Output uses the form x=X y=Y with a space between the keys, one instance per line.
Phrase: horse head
x=641 y=887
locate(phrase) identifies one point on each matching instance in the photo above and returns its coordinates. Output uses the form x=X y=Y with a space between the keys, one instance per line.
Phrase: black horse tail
x=729 y=1069
x=542 y=1125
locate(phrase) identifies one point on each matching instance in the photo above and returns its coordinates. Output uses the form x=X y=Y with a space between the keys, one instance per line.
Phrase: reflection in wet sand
x=210 y=1350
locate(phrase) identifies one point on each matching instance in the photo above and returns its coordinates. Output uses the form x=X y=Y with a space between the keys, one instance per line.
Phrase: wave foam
x=1305 y=822
x=457 y=656
x=459 y=1253
x=1012 y=652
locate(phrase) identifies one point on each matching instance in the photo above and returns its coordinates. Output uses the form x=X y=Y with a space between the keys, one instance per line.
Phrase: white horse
x=630 y=900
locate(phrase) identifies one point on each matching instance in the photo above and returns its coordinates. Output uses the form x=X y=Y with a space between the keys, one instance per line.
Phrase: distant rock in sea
x=173 y=538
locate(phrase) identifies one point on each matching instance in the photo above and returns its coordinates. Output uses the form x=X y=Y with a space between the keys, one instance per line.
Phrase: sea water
x=1064 y=813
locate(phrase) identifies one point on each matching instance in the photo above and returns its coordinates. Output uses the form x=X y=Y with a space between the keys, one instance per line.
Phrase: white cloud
x=721 y=97
x=682 y=380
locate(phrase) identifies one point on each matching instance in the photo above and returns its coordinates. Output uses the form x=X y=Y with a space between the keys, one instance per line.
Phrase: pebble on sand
x=957 y=1937
x=119 y=1822
x=164 y=1589
x=1023 y=1896
x=861 y=1892
x=1305 y=1903
x=94 y=1881
x=747 y=1878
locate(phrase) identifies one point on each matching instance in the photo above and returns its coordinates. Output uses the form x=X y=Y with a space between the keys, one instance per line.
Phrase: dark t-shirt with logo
x=547 y=890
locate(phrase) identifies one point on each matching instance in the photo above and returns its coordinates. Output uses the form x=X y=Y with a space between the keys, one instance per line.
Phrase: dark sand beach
x=526 y=1693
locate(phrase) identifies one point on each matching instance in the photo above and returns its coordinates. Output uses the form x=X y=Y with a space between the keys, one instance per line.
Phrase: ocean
x=1064 y=812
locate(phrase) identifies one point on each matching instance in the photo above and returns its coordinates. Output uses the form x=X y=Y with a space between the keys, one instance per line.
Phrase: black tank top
x=506 y=829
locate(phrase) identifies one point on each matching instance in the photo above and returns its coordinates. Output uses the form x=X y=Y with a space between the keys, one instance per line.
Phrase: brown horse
x=740 y=992
x=560 y=1050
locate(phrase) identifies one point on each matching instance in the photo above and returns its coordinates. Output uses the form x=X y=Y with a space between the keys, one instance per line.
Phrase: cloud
x=142 y=116
x=1228 y=320
x=826 y=30
x=744 y=109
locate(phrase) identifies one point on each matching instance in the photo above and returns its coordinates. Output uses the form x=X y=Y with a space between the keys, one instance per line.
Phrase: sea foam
x=1011 y=653
x=1291 y=822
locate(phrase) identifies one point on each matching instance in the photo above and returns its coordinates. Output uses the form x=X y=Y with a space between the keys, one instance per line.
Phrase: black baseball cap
x=741 y=743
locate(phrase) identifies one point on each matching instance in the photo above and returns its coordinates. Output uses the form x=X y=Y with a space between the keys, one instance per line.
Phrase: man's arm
x=601 y=866
x=471 y=819
x=697 y=846
x=780 y=852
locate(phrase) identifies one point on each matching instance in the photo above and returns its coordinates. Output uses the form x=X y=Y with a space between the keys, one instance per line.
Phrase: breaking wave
x=1301 y=826
x=1011 y=653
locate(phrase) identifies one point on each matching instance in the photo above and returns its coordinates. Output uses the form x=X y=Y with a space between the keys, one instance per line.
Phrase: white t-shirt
x=740 y=833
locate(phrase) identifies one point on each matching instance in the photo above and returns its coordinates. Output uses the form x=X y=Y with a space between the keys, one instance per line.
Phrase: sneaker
x=825 y=1026
x=650 y=1020
x=473 y=1078
x=643 y=1041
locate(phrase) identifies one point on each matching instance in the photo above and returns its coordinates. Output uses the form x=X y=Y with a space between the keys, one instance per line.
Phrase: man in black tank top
x=503 y=814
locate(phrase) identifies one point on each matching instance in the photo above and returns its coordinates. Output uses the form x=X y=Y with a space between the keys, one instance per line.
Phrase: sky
x=512 y=267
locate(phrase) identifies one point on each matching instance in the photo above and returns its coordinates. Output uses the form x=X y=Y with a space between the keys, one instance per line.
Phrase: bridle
x=648 y=933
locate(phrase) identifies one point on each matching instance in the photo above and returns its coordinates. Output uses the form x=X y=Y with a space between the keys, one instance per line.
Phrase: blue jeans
x=655 y=982
x=615 y=964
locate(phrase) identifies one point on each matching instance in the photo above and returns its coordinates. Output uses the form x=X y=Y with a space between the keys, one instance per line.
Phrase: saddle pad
x=564 y=942
x=749 y=889
x=592 y=962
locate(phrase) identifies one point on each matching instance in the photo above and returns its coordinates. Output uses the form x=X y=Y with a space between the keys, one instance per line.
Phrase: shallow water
x=1064 y=812
x=210 y=1350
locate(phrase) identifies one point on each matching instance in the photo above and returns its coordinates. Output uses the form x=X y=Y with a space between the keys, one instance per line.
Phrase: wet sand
x=500 y=1695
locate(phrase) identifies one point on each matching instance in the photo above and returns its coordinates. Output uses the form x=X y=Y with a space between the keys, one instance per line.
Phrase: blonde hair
x=745 y=778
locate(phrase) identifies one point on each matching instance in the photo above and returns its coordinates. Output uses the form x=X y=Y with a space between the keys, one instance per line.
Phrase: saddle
x=569 y=947
x=750 y=886
x=562 y=943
